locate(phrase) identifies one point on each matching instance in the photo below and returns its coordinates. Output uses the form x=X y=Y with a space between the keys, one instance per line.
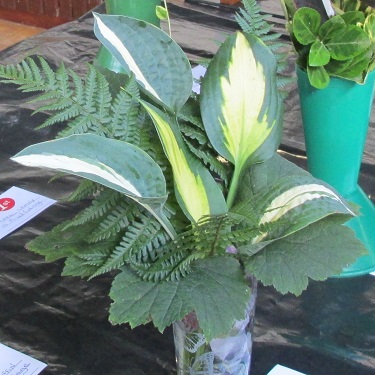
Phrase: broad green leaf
x=353 y=17
x=319 y=54
x=240 y=105
x=157 y=61
x=324 y=249
x=348 y=43
x=318 y=76
x=288 y=199
x=332 y=26
x=216 y=290
x=196 y=190
x=115 y=164
x=306 y=23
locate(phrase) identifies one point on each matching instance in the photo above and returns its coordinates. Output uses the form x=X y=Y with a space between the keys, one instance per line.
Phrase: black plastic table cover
x=329 y=330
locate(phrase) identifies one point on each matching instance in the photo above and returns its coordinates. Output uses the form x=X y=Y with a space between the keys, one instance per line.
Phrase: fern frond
x=85 y=189
x=100 y=206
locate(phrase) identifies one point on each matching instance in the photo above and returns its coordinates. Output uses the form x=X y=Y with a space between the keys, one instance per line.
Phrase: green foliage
x=253 y=21
x=187 y=193
x=341 y=46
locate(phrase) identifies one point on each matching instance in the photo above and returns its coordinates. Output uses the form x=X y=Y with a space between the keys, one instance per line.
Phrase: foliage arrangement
x=189 y=195
x=342 y=45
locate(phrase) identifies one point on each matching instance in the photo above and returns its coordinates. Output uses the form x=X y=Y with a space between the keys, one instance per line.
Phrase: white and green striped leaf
x=196 y=190
x=240 y=104
x=158 y=63
x=115 y=164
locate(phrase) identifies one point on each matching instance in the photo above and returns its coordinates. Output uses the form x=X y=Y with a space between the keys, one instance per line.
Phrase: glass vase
x=229 y=355
x=144 y=10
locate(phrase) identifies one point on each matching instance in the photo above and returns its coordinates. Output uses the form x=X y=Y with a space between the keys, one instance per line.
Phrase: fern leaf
x=86 y=188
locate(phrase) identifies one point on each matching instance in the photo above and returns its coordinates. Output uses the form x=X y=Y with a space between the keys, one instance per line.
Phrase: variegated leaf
x=157 y=61
x=115 y=164
x=196 y=190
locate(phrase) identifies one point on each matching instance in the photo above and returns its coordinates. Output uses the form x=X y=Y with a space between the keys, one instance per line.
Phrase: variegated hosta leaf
x=157 y=61
x=240 y=104
x=196 y=190
x=117 y=165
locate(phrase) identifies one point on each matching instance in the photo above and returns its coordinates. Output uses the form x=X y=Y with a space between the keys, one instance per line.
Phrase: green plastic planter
x=141 y=9
x=335 y=122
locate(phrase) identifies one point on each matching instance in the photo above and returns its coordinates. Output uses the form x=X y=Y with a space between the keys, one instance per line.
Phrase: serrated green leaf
x=215 y=289
x=306 y=23
x=157 y=61
x=324 y=249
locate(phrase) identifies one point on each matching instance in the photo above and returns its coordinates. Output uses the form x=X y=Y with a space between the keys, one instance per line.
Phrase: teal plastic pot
x=335 y=122
x=144 y=10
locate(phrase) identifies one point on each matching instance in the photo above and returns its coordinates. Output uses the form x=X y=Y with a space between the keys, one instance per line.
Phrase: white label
x=281 y=370
x=16 y=363
x=17 y=207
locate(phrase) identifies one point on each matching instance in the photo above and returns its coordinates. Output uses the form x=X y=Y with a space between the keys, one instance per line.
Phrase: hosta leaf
x=216 y=290
x=324 y=249
x=197 y=192
x=306 y=23
x=158 y=63
x=240 y=104
x=115 y=164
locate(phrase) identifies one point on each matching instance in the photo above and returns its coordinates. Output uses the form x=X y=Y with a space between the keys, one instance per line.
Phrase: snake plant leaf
x=158 y=63
x=306 y=23
x=204 y=290
x=240 y=104
x=196 y=190
x=115 y=164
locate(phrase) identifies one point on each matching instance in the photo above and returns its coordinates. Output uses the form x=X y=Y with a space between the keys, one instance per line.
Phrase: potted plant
x=335 y=48
x=190 y=200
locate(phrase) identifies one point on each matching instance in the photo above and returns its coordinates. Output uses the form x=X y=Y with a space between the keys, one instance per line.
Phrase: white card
x=16 y=363
x=281 y=370
x=18 y=206
x=198 y=72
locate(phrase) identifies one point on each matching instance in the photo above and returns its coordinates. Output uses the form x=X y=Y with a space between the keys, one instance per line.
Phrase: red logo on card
x=6 y=204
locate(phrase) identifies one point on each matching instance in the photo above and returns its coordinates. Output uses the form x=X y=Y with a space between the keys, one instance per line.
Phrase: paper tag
x=281 y=370
x=16 y=363
x=17 y=207
x=198 y=72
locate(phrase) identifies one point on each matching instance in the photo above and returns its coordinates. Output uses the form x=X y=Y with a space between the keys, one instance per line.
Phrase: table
x=329 y=330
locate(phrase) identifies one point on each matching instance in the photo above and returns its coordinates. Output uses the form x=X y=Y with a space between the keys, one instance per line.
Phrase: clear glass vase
x=229 y=355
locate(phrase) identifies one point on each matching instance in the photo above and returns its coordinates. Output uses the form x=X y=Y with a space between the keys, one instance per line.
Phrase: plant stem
x=233 y=186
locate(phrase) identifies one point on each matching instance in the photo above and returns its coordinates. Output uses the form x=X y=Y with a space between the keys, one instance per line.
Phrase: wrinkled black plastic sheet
x=329 y=330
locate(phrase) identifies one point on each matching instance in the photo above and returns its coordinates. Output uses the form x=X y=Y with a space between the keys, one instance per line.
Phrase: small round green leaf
x=319 y=54
x=306 y=25
x=318 y=76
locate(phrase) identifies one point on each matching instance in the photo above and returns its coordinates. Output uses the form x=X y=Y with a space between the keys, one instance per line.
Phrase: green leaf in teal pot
x=332 y=26
x=115 y=164
x=349 y=43
x=319 y=54
x=306 y=23
x=353 y=17
x=158 y=63
x=318 y=76
x=197 y=192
